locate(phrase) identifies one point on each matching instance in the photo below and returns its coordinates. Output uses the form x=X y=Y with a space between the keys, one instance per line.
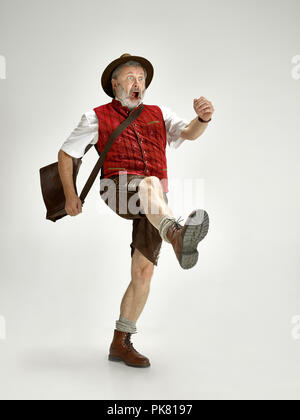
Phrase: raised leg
x=152 y=200
x=184 y=239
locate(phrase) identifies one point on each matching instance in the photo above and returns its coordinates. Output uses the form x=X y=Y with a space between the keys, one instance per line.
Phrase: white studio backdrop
x=229 y=327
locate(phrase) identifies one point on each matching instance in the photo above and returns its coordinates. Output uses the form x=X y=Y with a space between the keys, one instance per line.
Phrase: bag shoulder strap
x=132 y=116
x=88 y=148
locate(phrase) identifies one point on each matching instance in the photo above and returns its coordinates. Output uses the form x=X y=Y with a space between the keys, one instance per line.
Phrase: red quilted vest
x=140 y=149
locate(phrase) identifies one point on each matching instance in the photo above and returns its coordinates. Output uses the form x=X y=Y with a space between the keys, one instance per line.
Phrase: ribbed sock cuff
x=164 y=226
x=125 y=325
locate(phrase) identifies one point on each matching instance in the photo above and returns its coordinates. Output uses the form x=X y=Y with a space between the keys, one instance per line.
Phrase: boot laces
x=177 y=223
x=128 y=343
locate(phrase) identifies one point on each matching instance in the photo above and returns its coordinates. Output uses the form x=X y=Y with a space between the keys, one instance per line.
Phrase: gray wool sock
x=125 y=325
x=164 y=225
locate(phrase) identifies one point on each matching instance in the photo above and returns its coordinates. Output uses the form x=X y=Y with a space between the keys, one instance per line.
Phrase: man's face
x=130 y=80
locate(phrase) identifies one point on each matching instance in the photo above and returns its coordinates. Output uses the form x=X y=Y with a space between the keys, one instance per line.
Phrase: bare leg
x=136 y=295
x=151 y=197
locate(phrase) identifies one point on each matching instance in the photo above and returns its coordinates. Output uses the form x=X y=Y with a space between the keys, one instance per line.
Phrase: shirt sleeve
x=84 y=134
x=174 y=126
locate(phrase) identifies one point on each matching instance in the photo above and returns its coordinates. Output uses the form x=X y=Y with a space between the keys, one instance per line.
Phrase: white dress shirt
x=86 y=132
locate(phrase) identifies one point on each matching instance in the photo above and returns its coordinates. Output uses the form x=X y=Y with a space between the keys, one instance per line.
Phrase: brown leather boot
x=185 y=239
x=121 y=349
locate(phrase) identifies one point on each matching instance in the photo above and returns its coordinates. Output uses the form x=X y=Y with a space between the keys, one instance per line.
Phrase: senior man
x=136 y=164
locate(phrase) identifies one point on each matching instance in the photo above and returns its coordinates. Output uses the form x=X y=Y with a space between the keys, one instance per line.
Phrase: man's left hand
x=203 y=108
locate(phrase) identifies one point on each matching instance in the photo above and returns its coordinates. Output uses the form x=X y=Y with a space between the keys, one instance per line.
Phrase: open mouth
x=135 y=95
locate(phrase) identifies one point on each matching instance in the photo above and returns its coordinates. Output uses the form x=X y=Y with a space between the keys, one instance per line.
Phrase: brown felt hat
x=106 y=75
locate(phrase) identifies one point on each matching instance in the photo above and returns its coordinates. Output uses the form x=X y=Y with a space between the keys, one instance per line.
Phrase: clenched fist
x=203 y=108
x=73 y=205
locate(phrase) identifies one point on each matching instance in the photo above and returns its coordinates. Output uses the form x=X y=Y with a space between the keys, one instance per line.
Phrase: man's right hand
x=73 y=205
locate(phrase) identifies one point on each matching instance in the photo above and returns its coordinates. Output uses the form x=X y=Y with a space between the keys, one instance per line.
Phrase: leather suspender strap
x=132 y=116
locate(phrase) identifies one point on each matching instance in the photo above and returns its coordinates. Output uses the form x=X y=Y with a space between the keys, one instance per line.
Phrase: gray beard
x=122 y=97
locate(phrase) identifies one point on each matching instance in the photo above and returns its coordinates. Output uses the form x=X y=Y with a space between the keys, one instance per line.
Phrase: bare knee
x=142 y=277
x=141 y=269
x=142 y=272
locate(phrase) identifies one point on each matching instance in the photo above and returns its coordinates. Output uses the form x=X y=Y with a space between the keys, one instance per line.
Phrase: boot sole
x=118 y=359
x=195 y=231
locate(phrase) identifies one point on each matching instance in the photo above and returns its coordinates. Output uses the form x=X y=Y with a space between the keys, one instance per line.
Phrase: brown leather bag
x=51 y=185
